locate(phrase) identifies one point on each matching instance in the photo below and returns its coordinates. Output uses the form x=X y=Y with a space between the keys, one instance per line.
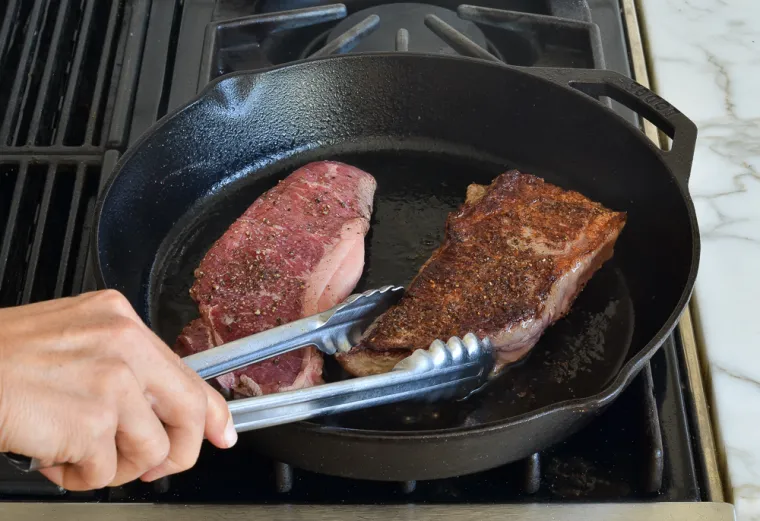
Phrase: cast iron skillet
x=425 y=127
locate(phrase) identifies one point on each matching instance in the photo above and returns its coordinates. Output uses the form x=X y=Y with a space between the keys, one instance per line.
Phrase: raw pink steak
x=296 y=251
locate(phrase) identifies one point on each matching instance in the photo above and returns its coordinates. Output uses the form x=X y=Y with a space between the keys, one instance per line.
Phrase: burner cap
x=409 y=16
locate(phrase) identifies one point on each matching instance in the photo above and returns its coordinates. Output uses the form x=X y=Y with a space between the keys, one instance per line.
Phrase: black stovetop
x=83 y=79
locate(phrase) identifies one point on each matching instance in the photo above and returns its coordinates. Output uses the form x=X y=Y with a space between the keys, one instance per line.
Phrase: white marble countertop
x=705 y=60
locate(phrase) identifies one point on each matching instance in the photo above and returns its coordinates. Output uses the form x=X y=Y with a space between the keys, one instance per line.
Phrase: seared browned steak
x=296 y=251
x=514 y=258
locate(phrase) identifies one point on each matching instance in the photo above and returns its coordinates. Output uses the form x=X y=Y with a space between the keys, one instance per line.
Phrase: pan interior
x=416 y=190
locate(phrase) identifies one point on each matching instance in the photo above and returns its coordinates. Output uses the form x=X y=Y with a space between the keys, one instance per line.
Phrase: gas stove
x=83 y=79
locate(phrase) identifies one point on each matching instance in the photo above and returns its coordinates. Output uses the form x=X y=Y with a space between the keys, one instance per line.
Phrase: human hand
x=86 y=385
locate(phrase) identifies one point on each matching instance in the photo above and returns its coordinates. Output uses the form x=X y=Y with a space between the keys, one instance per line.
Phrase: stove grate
x=46 y=209
x=457 y=40
x=243 y=33
x=58 y=60
x=261 y=40
x=349 y=39
x=551 y=472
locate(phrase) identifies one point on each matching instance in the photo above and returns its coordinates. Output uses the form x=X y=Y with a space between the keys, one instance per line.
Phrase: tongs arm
x=459 y=366
x=255 y=348
x=330 y=331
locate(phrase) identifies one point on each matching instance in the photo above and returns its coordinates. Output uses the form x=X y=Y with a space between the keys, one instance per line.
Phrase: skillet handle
x=624 y=90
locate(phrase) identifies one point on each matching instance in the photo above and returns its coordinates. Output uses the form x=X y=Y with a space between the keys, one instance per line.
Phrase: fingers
x=164 y=418
x=141 y=441
x=119 y=423
x=96 y=471
x=183 y=417
x=186 y=436
x=219 y=427
x=186 y=405
x=161 y=410
x=189 y=410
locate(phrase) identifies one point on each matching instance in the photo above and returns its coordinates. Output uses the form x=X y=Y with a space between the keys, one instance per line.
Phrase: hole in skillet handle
x=647 y=104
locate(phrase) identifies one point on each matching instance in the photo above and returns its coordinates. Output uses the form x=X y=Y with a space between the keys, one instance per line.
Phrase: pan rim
x=573 y=406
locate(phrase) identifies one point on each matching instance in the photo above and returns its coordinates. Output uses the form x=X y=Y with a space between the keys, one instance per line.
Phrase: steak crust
x=514 y=258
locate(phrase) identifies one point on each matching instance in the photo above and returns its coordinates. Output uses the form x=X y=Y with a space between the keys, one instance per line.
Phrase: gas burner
x=403 y=27
x=261 y=40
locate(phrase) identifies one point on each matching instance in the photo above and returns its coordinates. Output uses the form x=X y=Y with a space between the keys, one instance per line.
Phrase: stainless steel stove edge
x=524 y=512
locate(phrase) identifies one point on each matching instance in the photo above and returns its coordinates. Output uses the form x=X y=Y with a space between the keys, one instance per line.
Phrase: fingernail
x=230 y=434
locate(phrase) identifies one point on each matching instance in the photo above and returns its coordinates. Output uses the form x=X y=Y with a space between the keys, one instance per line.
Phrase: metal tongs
x=456 y=367
x=445 y=369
